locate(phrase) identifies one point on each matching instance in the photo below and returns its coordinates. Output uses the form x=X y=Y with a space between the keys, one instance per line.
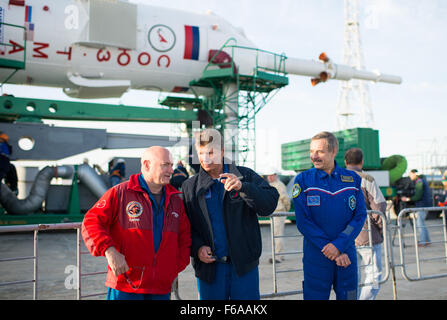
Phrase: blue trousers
x=113 y=294
x=322 y=274
x=228 y=286
x=424 y=236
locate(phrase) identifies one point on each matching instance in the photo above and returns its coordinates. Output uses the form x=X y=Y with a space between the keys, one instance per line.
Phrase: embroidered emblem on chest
x=313 y=201
x=134 y=209
x=352 y=202
x=347 y=178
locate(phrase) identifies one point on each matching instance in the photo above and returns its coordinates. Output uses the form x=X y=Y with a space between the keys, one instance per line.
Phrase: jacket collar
x=135 y=186
x=323 y=174
x=204 y=180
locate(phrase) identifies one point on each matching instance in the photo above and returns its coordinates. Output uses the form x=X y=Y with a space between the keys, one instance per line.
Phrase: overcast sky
x=401 y=37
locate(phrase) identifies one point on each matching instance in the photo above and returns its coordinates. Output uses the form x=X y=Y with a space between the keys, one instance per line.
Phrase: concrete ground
x=57 y=266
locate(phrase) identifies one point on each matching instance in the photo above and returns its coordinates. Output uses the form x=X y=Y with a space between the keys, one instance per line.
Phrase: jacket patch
x=101 y=204
x=313 y=201
x=347 y=178
x=352 y=202
x=296 y=190
x=134 y=209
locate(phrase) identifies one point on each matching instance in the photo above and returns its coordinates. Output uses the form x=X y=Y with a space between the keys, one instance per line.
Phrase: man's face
x=413 y=176
x=161 y=168
x=320 y=155
x=210 y=158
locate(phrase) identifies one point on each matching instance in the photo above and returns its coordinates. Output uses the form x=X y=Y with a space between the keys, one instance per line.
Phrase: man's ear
x=147 y=165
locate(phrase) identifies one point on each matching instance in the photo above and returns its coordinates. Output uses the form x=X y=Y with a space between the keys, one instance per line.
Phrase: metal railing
x=79 y=254
x=384 y=277
x=35 y=228
x=404 y=264
x=273 y=237
x=388 y=261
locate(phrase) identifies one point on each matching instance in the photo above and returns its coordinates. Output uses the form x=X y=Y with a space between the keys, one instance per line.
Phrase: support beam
x=55 y=143
x=30 y=109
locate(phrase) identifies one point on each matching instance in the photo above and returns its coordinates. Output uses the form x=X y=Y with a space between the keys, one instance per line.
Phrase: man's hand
x=330 y=251
x=116 y=261
x=343 y=260
x=230 y=181
x=205 y=254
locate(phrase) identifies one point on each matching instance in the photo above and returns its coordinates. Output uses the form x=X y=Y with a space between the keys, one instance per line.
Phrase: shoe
x=426 y=244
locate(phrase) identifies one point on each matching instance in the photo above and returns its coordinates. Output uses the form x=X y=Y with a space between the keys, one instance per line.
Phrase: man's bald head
x=154 y=152
x=156 y=165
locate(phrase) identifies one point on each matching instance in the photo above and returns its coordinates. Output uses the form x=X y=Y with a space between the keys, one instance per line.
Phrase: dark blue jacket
x=426 y=199
x=240 y=215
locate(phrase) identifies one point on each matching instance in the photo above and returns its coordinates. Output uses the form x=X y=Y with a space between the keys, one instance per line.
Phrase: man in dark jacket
x=222 y=202
x=421 y=198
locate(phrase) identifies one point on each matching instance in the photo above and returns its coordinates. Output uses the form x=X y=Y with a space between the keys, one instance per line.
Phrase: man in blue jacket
x=330 y=213
x=223 y=202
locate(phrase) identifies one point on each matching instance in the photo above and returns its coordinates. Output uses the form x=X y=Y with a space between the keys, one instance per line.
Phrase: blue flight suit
x=329 y=209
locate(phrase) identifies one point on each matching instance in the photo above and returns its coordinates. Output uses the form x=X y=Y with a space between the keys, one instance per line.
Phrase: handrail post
x=36 y=263
x=272 y=233
x=444 y=212
x=416 y=246
x=78 y=263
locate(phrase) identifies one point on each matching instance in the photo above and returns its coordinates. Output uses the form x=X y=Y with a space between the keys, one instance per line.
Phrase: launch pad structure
x=237 y=98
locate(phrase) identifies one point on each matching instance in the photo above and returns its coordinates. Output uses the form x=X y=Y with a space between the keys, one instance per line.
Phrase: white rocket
x=102 y=48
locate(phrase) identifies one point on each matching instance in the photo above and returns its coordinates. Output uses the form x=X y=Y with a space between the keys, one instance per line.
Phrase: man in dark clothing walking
x=222 y=202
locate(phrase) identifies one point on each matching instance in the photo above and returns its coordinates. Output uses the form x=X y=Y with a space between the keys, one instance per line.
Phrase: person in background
x=370 y=254
x=283 y=205
x=7 y=169
x=179 y=176
x=140 y=226
x=118 y=172
x=442 y=197
x=421 y=198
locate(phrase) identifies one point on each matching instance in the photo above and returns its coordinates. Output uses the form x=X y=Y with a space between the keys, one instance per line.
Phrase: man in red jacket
x=140 y=226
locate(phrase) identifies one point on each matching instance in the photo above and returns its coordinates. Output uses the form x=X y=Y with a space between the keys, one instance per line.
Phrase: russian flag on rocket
x=29 y=26
x=28 y=13
x=192 y=43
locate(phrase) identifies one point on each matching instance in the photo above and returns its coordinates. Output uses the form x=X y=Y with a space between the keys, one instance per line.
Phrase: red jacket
x=122 y=218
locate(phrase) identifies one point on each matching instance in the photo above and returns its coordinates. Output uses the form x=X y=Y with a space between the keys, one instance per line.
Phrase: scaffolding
x=13 y=64
x=354 y=105
x=237 y=96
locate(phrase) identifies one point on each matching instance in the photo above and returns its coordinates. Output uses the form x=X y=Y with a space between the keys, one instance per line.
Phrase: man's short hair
x=414 y=171
x=331 y=139
x=211 y=137
x=354 y=156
